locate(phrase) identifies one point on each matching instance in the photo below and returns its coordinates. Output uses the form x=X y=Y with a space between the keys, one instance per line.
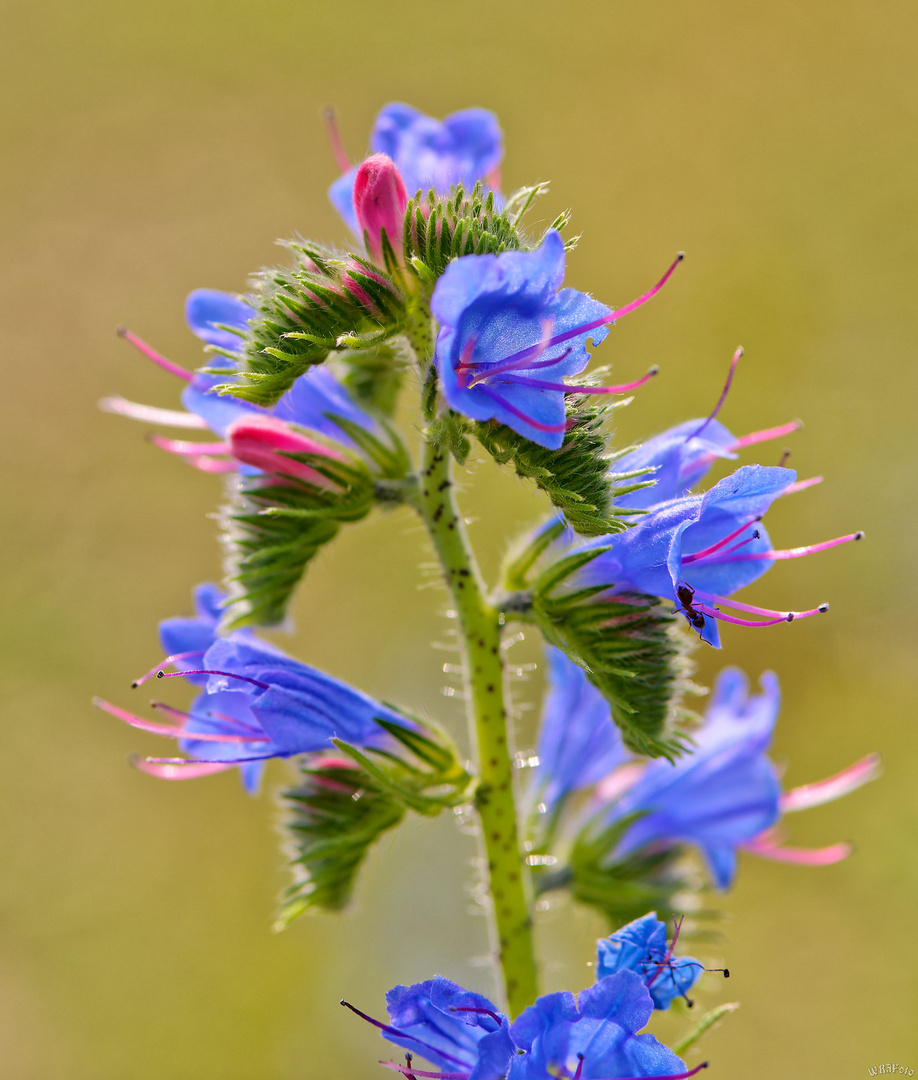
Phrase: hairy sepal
x=339 y=810
x=324 y=302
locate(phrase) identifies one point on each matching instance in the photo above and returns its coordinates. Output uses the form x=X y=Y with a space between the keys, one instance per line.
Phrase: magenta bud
x=380 y=199
x=260 y=442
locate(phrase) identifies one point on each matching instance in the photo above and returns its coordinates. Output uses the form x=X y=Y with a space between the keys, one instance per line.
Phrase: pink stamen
x=766 y=434
x=767 y=848
x=539 y=384
x=225 y=674
x=720 y=615
x=536 y=350
x=802 y=485
x=723 y=395
x=465 y=363
x=168 y=730
x=213 y=465
x=696 y=556
x=169 y=660
x=512 y=363
x=189 y=770
x=184 y=447
x=790 y=553
x=514 y=411
x=833 y=787
x=152 y=354
x=494 y=178
x=780 y=616
x=334 y=139
x=666 y=962
x=149 y=414
x=579 y=1071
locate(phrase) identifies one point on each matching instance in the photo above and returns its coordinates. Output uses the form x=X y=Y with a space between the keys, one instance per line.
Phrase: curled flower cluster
x=451 y=295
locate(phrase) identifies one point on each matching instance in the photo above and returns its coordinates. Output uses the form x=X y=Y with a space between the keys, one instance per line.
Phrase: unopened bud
x=261 y=442
x=380 y=200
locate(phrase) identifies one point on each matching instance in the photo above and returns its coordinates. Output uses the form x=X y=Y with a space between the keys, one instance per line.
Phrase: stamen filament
x=152 y=354
x=723 y=395
x=833 y=787
x=213 y=465
x=781 y=616
x=225 y=674
x=183 y=446
x=519 y=414
x=790 y=553
x=695 y=556
x=191 y=770
x=334 y=139
x=471 y=1009
x=714 y=614
x=824 y=856
x=409 y=1071
x=149 y=414
x=168 y=730
x=169 y=660
x=766 y=434
x=802 y=485
x=565 y=388
x=401 y=1034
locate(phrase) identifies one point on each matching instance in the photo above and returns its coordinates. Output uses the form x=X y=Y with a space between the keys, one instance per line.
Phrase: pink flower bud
x=380 y=199
x=257 y=442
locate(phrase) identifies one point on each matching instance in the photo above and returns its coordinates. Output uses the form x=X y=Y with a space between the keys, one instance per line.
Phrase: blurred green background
x=153 y=148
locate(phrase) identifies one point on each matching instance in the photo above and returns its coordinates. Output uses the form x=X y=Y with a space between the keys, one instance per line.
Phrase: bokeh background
x=152 y=148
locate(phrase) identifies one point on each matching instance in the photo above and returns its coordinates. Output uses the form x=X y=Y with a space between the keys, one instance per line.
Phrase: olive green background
x=152 y=148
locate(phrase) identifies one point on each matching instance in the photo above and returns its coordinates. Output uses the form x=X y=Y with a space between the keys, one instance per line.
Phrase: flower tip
x=654 y=369
x=121 y=331
x=160 y=675
x=680 y=256
x=822 y=609
x=860 y=534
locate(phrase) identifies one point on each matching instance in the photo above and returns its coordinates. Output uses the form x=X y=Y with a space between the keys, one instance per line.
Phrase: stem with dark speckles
x=484 y=680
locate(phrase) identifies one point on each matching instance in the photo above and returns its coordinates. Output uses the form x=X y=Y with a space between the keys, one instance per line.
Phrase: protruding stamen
x=401 y=1034
x=149 y=414
x=152 y=354
x=704 y=552
x=529 y=358
x=785 y=457
x=167 y=730
x=765 y=845
x=778 y=616
x=187 y=770
x=641 y=300
x=723 y=395
x=565 y=388
x=213 y=465
x=169 y=660
x=225 y=674
x=765 y=435
x=334 y=138
x=833 y=787
x=579 y=1071
x=802 y=485
x=405 y=1070
x=188 y=449
x=790 y=553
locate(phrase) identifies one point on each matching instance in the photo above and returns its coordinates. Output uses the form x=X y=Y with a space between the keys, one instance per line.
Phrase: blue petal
x=578 y=742
x=441 y=1037
x=314 y=399
x=216 y=410
x=208 y=309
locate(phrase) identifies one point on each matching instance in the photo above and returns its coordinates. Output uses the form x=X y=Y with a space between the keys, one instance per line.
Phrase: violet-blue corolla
x=509 y=335
x=463 y=148
x=700 y=549
x=220 y=321
x=641 y=947
x=724 y=794
x=258 y=703
x=465 y=1037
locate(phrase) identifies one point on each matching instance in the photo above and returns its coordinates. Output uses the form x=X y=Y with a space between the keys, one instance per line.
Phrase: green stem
x=480 y=625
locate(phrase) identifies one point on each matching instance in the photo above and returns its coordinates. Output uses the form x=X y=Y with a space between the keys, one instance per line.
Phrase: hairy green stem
x=480 y=625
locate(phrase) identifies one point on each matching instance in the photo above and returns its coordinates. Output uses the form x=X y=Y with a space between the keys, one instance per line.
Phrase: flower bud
x=258 y=442
x=380 y=199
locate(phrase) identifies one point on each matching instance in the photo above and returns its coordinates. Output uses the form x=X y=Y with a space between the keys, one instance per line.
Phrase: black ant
x=686 y=596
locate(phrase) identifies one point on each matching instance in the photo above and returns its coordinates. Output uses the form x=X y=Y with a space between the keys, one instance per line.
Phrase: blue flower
x=463 y=1034
x=258 y=703
x=594 y=1037
x=453 y=1028
x=699 y=549
x=722 y=794
x=315 y=401
x=641 y=947
x=465 y=147
x=578 y=742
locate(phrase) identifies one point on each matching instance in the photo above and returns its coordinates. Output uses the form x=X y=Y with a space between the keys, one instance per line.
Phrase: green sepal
x=374 y=376
x=272 y=530
x=339 y=810
x=303 y=312
x=575 y=477
x=622 y=889
x=705 y=1024
x=449 y=430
